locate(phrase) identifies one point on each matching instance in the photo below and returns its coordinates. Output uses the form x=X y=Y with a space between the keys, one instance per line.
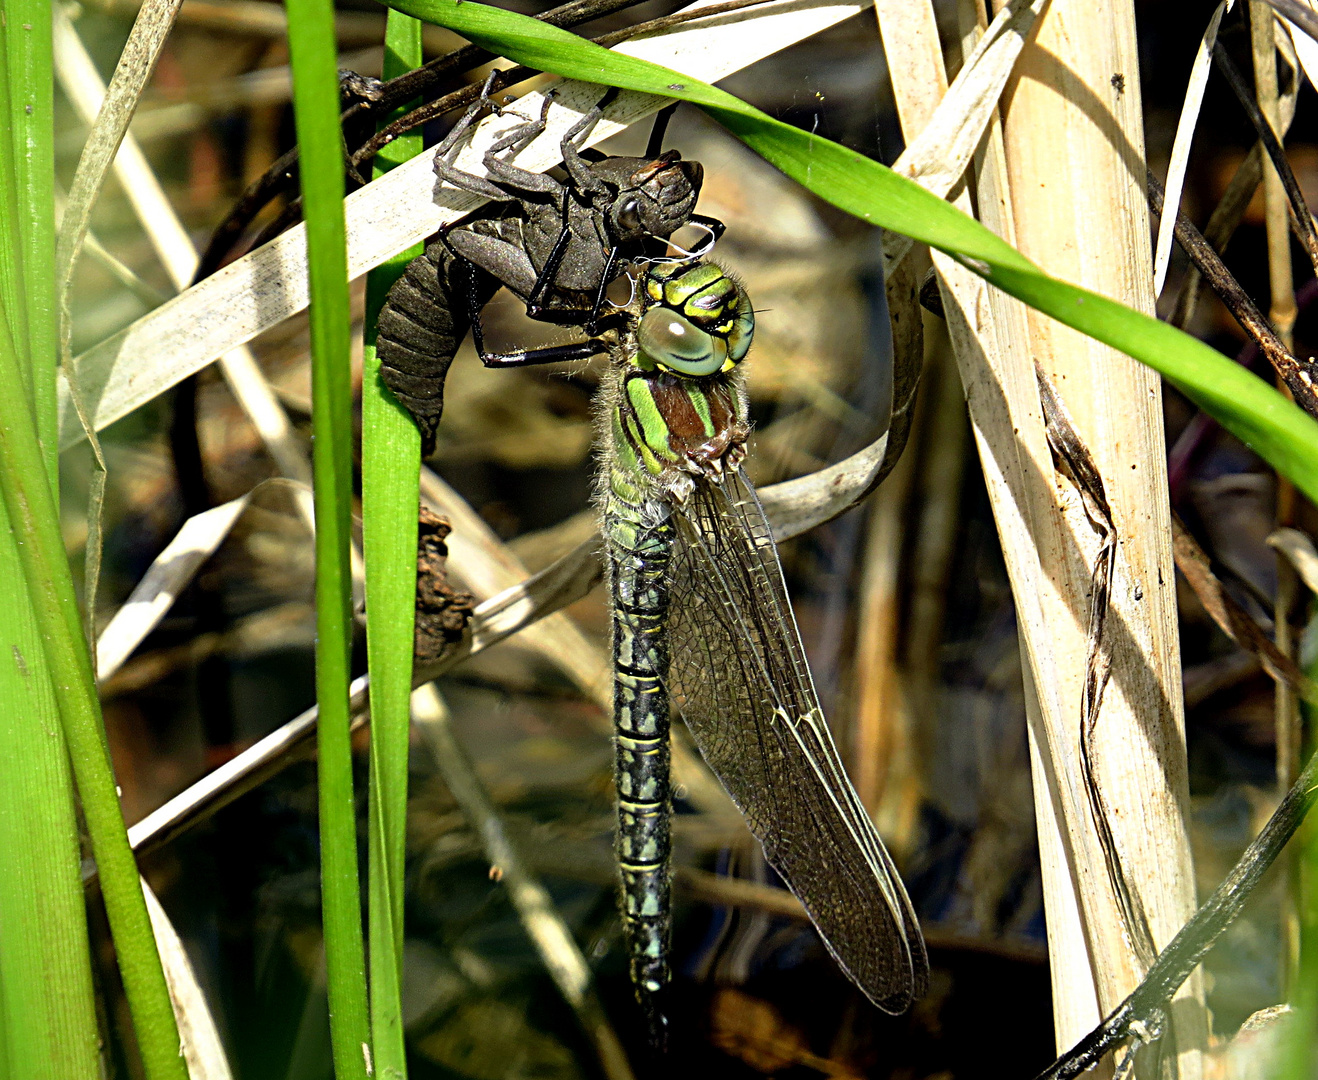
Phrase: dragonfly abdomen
x=420 y=327
x=639 y=551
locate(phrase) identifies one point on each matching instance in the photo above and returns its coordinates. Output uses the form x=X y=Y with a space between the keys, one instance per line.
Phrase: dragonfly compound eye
x=743 y=329
x=675 y=345
x=628 y=218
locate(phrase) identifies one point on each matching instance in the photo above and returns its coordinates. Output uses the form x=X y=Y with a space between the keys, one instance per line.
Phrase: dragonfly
x=702 y=624
x=556 y=244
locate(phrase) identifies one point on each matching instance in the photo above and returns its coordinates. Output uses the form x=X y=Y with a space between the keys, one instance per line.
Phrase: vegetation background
x=906 y=605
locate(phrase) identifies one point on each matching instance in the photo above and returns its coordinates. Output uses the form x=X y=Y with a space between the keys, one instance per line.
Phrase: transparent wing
x=740 y=678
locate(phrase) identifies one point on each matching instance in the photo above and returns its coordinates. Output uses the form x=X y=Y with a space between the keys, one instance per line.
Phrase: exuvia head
x=695 y=321
x=655 y=196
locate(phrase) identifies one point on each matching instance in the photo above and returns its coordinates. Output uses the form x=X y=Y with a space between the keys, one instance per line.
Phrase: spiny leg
x=591 y=325
x=447 y=150
x=578 y=168
x=517 y=140
x=512 y=268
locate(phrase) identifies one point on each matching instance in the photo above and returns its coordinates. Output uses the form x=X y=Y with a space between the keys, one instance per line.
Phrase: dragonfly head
x=695 y=320
x=655 y=197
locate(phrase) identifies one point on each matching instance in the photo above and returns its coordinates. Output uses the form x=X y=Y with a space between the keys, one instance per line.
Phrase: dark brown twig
x=1300 y=378
x=1222 y=224
x=1231 y=618
x=511 y=76
x=389 y=95
x=1145 y=1008
x=1301 y=219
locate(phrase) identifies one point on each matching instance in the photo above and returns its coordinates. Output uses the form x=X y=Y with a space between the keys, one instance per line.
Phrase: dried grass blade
x=552 y=589
x=170 y=573
x=178 y=255
x=1297 y=547
x=1301 y=219
x=938 y=156
x=1306 y=48
x=1194 y=99
x=199 y=1039
x=136 y=63
x=486 y=566
x=541 y=921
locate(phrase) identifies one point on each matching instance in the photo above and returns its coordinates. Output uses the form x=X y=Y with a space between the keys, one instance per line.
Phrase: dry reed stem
x=1073 y=139
x=1041 y=547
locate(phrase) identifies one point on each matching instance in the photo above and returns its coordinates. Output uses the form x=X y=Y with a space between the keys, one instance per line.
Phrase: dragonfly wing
x=740 y=678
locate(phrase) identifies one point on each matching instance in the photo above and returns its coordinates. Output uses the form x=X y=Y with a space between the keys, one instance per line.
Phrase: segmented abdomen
x=420 y=327
x=639 y=550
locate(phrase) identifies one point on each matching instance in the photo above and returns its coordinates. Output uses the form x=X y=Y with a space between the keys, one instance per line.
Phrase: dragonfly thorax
x=679 y=410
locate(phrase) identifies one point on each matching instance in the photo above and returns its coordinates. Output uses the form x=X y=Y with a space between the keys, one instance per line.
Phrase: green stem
x=47 y=1009
x=32 y=125
x=391 y=460
x=25 y=489
x=316 y=112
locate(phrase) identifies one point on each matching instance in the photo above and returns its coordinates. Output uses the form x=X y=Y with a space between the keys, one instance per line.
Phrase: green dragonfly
x=702 y=622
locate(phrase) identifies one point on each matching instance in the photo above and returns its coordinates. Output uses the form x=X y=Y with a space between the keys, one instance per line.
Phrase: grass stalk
x=1282 y=313
x=1092 y=229
x=47 y=1010
x=34 y=519
x=316 y=112
x=391 y=463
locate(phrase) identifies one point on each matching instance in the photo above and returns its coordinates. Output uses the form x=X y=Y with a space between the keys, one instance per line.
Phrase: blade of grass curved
x=1194 y=99
x=391 y=464
x=316 y=112
x=1250 y=409
x=46 y=1000
x=131 y=73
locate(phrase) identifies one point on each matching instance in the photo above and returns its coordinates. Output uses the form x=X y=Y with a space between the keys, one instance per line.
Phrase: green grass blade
x=47 y=1010
x=34 y=519
x=391 y=461
x=316 y=112
x=31 y=126
x=1245 y=405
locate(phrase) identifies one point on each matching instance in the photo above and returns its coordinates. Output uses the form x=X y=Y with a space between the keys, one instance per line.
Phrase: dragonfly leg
x=514 y=142
x=658 y=130
x=545 y=280
x=479 y=253
x=447 y=151
x=578 y=167
x=554 y=354
x=592 y=323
